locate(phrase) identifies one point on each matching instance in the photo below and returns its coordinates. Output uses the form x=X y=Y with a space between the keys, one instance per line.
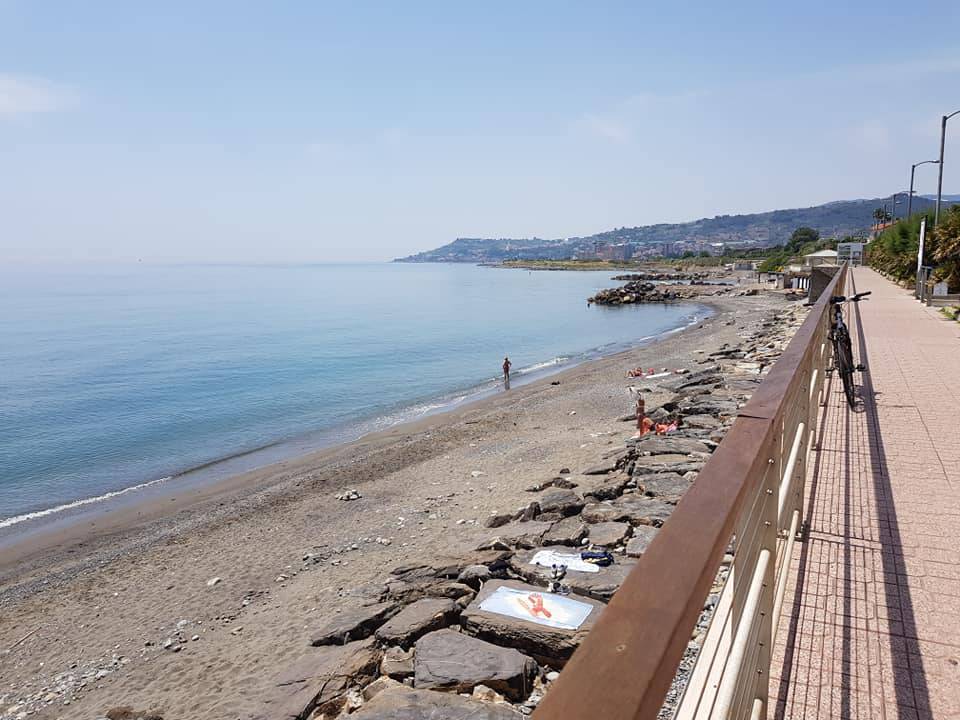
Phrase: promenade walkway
x=871 y=625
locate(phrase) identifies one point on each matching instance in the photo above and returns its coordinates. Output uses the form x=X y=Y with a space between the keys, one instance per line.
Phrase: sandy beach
x=247 y=567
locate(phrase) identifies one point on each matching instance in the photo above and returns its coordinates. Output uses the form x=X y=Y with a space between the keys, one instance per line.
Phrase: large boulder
x=355 y=623
x=609 y=534
x=658 y=445
x=600 y=585
x=607 y=489
x=601 y=512
x=569 y=531
x=403 y=703
x=519 y=534
x=669 y=487
x=644 y=510
x=565 y=502
x=418 y=619
x=552 y=645
x=403 y=592
x=319 y=680
x=449 y=660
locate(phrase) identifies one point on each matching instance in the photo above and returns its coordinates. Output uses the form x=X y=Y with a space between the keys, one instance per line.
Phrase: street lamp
x=943 y=134
x=913 y=169
x=893 y=207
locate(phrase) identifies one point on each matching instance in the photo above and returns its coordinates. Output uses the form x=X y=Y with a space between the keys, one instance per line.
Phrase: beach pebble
x=349 y=494
x=213 y=581
x=552 y=675
x=477 y=473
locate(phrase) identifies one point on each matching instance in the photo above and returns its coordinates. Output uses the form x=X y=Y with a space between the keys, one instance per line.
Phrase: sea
x=114 y=379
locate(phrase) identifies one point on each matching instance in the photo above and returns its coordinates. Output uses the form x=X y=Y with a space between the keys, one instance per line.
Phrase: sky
x=330 y=132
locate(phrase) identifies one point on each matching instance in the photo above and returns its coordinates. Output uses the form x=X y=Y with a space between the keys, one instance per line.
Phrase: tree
x=945 y=250
x=704 y=253
x=687 y=254
x=801 y=236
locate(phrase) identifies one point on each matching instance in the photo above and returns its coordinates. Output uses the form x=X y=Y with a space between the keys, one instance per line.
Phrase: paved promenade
x=871 y=625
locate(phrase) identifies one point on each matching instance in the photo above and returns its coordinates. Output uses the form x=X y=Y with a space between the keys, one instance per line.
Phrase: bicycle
x=842 y=348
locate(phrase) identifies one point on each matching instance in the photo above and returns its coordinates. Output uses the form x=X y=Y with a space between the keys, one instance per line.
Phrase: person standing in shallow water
x=506 y=373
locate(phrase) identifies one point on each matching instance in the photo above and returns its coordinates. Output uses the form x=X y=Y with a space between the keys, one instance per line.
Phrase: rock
x=666 y=445
x=349 y=494
x=600 y=585
x=448 y=660
x=528 y=513
x=565 y=502
x=482 y=692
x=553 y=645
x=353 y=624
x=609 y=534
x=417 y=619
x=643 y=510
x=474 y=575
x=564 y=471
x=569 y=531
x=495 y=521
x=397 y=663
x=703 y=405
x=552 y=676
x=408 y=592
x=403 y=703
x=705 y=422
x=607 y=466
x=320 y=679
x=667 y=486
x=550 y=517
x=517 y=534
x=606 y=490
x=378 y=686
x=666 y=463
x=213 y=581
x=601 y=512
x=642 y=537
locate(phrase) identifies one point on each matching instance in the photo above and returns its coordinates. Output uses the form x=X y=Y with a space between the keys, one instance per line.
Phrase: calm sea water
x=112 y=378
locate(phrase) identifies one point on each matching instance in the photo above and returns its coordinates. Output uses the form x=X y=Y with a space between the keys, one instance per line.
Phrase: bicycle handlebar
x=837 y=299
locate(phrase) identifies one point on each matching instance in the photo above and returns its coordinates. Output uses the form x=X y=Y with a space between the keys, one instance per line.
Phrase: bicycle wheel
x=845 y=366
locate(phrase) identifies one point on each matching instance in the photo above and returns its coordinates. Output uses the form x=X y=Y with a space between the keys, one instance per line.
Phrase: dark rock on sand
x=403 y=703
x=449 y=660
x=518 y=534
x=408 y=592
x=320 y=679
x=353 y=624
x=565 y=502
x=553 y=645
x=418 y=619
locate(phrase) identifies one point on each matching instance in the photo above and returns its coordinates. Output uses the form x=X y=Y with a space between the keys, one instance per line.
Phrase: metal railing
x=747 y=499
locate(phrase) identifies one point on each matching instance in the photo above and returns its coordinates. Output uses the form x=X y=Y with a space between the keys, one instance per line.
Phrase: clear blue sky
x=307 y=131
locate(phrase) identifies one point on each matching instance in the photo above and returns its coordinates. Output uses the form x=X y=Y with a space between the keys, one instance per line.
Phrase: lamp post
x=913 y=169
x=893 y=203
x=943 y=134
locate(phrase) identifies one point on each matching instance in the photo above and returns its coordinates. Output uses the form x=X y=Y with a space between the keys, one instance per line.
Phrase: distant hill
x=834 y=219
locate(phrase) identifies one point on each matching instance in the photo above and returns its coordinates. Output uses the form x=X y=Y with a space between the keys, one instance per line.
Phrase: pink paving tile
x=872 y=613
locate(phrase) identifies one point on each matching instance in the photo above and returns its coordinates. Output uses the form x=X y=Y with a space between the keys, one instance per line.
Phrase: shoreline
x=29 y=527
